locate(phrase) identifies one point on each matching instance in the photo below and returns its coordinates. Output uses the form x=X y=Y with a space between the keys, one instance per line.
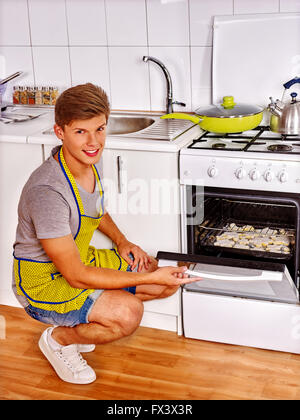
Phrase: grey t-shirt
x=47 y=209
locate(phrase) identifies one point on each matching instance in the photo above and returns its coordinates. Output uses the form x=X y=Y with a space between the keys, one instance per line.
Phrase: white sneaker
x=67 y=361
x=86 y=348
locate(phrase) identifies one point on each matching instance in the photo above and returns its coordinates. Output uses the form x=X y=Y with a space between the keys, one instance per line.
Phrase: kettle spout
x=275 y=107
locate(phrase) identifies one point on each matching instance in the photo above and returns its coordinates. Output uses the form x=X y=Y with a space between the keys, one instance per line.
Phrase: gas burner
x=219 y=146
x=280 y=148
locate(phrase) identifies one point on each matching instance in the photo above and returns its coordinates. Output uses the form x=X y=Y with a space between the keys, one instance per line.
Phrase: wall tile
x=289 y=6
x=108 y=39
x=90 y=64
x=201 y=19
x=201 y=64
x=14 y=26
x=16 y=59
x=256 y=6
x=129 y=78
x=177 y=61
x=48 y=22
x=126 y=22
x=86 y=22
x=52 y=66
x=168 y=22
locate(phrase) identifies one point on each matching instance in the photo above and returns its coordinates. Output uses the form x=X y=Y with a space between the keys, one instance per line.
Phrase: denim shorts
x=72 y=318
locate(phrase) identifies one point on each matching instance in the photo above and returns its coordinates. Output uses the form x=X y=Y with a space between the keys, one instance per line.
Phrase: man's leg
x=115 y=314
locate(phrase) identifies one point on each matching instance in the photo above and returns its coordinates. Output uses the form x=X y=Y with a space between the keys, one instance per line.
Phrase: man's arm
x=64 y=254
x=125 y=247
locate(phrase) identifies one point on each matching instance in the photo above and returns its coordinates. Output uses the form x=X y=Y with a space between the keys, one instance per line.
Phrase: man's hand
x=172 y=276
x=141 y=258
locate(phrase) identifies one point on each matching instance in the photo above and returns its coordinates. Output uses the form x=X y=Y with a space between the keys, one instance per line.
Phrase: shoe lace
x=74 y=361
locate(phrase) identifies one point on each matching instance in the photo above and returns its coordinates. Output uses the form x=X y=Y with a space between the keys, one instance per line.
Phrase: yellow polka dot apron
x=42 y=284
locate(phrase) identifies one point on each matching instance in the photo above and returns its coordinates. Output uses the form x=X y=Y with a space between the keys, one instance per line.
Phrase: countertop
x=33 y=132
x=21 y=131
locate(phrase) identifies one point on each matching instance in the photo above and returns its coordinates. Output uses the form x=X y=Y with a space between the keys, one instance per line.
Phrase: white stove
x=239 y=168
x=254 y=160
x=257 y=169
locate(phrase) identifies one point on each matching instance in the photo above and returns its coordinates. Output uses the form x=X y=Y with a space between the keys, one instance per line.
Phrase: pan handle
x=181 y=116
x=290 y=83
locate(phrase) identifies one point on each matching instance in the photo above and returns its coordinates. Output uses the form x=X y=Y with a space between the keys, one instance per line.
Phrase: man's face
x=83 y=140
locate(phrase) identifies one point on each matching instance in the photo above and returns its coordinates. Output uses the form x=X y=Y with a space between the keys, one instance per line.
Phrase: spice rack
x=35 y=95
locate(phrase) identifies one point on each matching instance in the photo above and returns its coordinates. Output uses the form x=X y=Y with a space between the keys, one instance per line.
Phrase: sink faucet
x=170 y=101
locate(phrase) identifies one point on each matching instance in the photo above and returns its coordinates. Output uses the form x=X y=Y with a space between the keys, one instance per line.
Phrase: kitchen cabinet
x=17 y=162
x=142 y=197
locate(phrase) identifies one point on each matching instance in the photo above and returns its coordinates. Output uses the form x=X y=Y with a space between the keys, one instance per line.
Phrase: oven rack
x=208 y=231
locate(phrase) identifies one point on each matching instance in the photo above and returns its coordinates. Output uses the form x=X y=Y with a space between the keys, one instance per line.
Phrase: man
x=91 y=296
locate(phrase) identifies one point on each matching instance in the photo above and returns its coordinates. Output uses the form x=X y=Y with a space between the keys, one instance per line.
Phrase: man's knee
x=118 y=311
x=130 y=316
x=169 y=291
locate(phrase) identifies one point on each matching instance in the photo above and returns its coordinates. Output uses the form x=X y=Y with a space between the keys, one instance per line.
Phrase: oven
x=240 y=230
x=245 y=234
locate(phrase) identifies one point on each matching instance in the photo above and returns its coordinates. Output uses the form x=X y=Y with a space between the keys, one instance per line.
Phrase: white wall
x=66 y=42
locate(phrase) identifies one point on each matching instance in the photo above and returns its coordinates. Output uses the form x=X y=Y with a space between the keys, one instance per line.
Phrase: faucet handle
x=178 y=103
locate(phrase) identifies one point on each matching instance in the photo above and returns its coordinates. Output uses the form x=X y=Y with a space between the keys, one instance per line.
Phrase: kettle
x=285 y=118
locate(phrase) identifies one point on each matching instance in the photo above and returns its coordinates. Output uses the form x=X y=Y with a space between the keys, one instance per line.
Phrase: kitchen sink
x=127 y=125
x=140 y=126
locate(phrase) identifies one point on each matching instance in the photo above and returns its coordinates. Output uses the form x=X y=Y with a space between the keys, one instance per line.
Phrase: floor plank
x=149 y=365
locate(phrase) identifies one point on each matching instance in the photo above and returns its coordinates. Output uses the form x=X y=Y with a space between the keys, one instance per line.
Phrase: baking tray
x=208 y=231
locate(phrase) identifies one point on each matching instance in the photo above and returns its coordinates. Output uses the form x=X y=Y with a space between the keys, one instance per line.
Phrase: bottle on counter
x=38 y=95
x=35 y=95
x=53 y=94
x=23 y=95
x=30 y=95
x=16 y=94
x=46 y=95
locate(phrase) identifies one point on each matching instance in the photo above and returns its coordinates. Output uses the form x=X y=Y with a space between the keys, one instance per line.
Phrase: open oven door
x=248 y=303
x=235 y=277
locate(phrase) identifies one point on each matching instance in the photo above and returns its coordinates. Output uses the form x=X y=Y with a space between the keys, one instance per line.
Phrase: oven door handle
x=265 y=276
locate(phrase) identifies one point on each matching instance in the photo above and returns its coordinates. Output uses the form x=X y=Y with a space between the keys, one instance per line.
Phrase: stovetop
x=259 y=140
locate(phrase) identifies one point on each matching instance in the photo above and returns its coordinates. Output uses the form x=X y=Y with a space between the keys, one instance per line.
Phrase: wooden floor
x=151 y=364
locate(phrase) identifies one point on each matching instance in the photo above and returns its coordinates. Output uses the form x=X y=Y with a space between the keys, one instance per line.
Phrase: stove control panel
x=212 y=171
x=269 y=175
x=254 y=174
x=227 y=172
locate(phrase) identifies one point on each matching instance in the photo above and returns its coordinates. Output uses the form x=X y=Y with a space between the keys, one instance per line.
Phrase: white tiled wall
x=66 y=42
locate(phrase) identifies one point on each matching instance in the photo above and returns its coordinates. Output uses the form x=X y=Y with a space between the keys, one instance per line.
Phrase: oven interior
x=248 y=229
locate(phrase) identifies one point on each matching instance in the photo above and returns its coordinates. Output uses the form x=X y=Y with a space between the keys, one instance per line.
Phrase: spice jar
x=53 y=94
x=38 y=96
x=23 y=95
x=46 y=95
x=16 y=95
x=30 y=95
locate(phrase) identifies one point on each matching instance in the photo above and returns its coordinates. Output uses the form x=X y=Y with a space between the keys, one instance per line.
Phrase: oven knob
x=254 y=174
x=212 y=171
x=283 y=176
x=268 y=175
x=240 y=173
